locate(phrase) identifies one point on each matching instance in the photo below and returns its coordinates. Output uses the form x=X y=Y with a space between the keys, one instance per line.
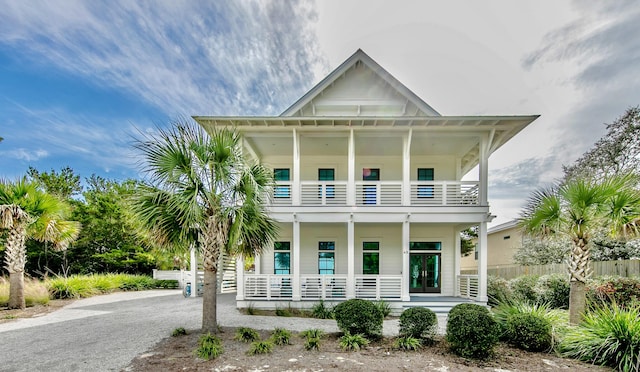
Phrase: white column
x=257 y=265
x=406 y=237
x=482 y=262
x=295 y=187
x=351 y=270
x=406 y=169
x=351 y=171
x=194 y=272
x=239 y=278
x=295 y=282
x=483 y=169
x=456 y=259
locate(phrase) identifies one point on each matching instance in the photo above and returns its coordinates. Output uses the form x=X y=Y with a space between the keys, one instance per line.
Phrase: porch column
x=351 y=277
x=295 y=280
x=483 y=169
x=240 y=278
x=456 y=260
x=194 y=271
x=482 y=262
x=406 y=228
x=351 y=171
x=295 y=187
x=257 y=265
x=406 y=169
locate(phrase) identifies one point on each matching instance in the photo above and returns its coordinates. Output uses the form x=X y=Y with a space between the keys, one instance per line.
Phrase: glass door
x=424 y=273
x=369 y=192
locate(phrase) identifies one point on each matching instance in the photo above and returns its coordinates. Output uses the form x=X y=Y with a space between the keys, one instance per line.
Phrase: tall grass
x=609 y=335
x=35 y=292
x=80 y=286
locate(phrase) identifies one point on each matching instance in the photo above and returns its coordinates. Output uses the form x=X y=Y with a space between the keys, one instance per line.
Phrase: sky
x=79 y=80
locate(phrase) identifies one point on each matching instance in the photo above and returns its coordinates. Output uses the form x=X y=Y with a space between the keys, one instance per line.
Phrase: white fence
x=468 y=286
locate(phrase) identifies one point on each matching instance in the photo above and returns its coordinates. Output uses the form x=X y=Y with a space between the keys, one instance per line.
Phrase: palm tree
x=203 y=193
x=28 y=212
x=578 y=209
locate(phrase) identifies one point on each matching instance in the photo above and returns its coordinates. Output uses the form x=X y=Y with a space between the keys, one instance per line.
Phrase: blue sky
x=79 y=78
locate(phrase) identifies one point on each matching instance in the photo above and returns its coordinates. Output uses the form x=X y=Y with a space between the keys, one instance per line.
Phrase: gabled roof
x=356 y=58
x=503 y=226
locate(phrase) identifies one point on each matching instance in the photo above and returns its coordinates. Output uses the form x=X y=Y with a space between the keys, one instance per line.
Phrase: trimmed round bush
x=471 y=331
x=523 y=288
x=359 y=316
x=529 y=332
x=418 y=322
x=498 y=290
x=553 y=290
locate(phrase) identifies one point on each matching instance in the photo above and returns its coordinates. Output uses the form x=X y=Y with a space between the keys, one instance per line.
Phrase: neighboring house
x=369 y=193
x=502 y=243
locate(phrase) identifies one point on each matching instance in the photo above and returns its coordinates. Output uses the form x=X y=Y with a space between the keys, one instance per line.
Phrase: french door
x=424 y=272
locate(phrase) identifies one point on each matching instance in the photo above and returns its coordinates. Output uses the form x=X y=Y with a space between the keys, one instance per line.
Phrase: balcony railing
x=468 y=286
x=379 y=193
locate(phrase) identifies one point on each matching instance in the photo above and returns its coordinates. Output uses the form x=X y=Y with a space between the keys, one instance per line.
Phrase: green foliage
x=35 y=292
x=542 y=251
x=523 y=288
x=260 y=347
x=350 y=342
x=281 y=336
x=609 y=335
x=553 y=290
x=621 y=290
x=80 y=286
x=283 y=312
x=180 y=331
x=529 y=332
x=322 y=311
x=209 y=347
x=312 y=333
x=419 y=322
x=357 y=316
x=512 y=307
x=312 y=343
x=384 y=307
x=167 y=284
x=246 y=334
x=497 y=290
x=468 y=238
x=63 y=185
x=251 y=310
x=471 y=331
x=407 y=343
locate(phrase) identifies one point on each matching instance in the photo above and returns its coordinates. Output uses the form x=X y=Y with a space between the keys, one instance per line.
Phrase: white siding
x=311 y=234
x=444 y=166
x=285 y=234
x=390 y=238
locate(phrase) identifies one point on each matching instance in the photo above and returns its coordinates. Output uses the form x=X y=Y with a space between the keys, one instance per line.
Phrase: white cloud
x=25 y=154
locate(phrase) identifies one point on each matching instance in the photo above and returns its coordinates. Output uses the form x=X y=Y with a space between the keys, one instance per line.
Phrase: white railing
x=267 y=287
x=323 y=287
x=282 y=193
x=323 y=192
x=468 y=286
x=444 y=192
x=378 y=193
x=376 y=287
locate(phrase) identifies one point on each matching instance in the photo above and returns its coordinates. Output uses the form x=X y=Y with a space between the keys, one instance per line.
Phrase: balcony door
x=424 y=272
x=326 y=191
x=369 y=192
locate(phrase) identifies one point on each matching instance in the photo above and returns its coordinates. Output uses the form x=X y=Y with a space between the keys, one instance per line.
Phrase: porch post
x=351 y=277
x=295 y=187
x=483 y=169
x=456 y=260
x=256 y=262
x=405 y=259
x=295 y=282
x=351 y=171
x=240 y=278
x=194 y=271
x=482 y=262
x=406 y=169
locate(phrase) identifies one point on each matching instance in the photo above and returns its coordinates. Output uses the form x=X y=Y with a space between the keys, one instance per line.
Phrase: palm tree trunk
x=580 y=271
x=15 y=258
x=16 y=290
x=209 y=302
x=577 y=302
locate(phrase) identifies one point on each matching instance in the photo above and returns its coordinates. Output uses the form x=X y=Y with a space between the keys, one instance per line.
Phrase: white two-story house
x=369 y=196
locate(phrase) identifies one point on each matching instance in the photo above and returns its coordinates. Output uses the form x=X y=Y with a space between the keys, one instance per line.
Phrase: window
x=282 y=191
x=425 y=191
x=327 y=174
x=371 y=258
x=371 y=174
x=369 y=191
x=326 y=258
x=425 y=246
x=282 y=258
x=506 y=237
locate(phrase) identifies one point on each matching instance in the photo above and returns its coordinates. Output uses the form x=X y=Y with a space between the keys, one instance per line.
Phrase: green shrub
x=321 y=311
x=312 y=333
x=358 y=316
x=180 y=331
x=281 y=336
x=312 y=343
x=471 y=331
x=558 y=319
x=609 y=335
x=497 y=290
x=553 y=290
x=72 y=287
x=384 y=307
x=523 y=288
x=529 y=332
x=260 y=347
x=246 y=334
x=419 y=322
x=166 y=283
x=353 y=342
x=283 y=312
x=621 y=290
x=209 y=347
x=407 y=343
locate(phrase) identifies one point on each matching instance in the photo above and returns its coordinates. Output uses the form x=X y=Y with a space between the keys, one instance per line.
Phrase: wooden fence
x=622 y=268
